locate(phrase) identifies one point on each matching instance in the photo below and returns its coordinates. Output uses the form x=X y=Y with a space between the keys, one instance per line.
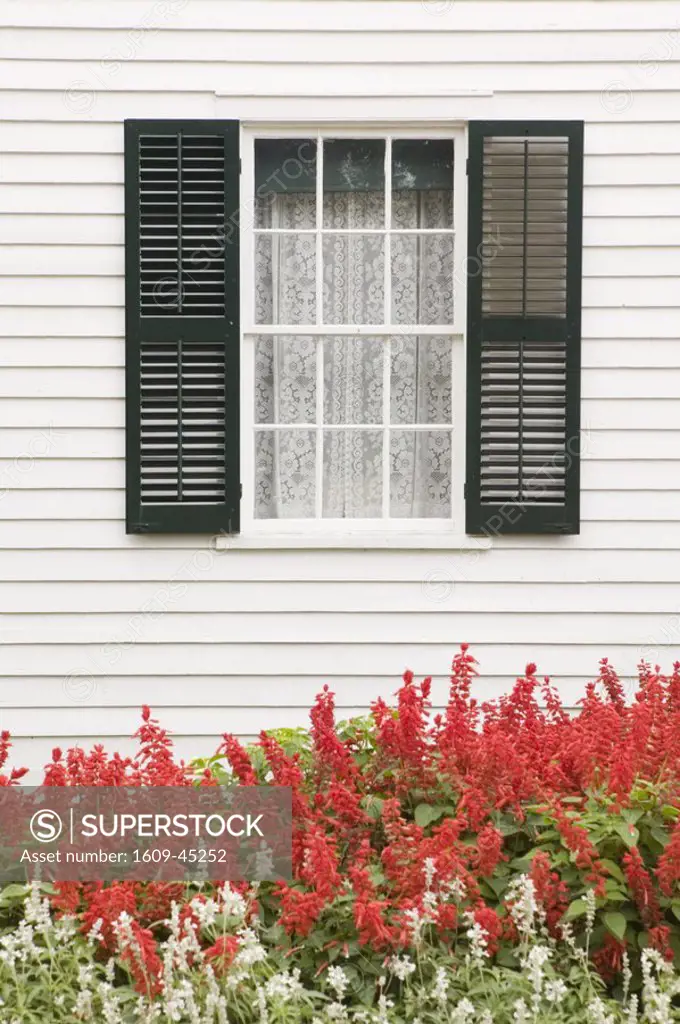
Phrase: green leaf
x=377 y=875
x=628 y=833
x=674 y=942
x=576 y=909
x=612 y=869
x=373 y=806
x=615 y=923
x=506 y=957
x=507 y=826
x=424 y=815
x=662 y=837
x=498 y=885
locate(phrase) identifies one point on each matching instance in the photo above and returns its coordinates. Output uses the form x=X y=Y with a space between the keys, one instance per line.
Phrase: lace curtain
x=419 y=483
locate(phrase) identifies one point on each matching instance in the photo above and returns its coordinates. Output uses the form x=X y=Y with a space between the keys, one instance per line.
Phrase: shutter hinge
x=467 y=165
x=465 y=491
x=240 y=490
x=142 y=528
x=240 y=166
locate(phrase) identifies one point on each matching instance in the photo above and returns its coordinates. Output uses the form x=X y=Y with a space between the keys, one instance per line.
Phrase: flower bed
x=502 y=861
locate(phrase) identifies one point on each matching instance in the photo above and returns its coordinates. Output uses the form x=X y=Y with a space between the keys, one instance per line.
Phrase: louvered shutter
x=182 y=326
x=524 y=327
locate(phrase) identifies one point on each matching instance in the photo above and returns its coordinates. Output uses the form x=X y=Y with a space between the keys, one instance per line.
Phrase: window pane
x=285 y=279
x=353 y=279
x=353 y=380
x=422 y=183
x=420 y=474
x=422 y=279
x=420 y=380
x=285 y=474
x=354 y=183
x=352 y=474
x=285 y=183
x=285 y=380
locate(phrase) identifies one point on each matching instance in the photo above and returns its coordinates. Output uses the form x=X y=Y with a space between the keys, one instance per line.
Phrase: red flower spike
x=355 y=797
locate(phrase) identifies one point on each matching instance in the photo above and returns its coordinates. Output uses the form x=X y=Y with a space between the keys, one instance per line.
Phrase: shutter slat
x=179 y=181
x=182 y=327
x=524 y=308
x=183 y=382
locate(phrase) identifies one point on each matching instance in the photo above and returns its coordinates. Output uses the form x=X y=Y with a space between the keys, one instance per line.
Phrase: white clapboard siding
x=348 y=15
x=449 y=45
x=94 y=622
x=430 y=627
x=40 y=531
x=440 y=593
x=167 y=695
x=103 y=531
x=62 y=230
x=625 y=353
x=334 y=103
x=84 y=443
x=40 y=168
x=76 y=260
x=138 y=75
x=74 y=661
x=626 y=231
x=489 y=566
x=60 y=321
x=42 y=352
x=41 y=413
x=631 y=445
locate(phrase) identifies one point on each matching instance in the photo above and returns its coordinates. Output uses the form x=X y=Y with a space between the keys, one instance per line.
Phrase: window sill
x=356 y=541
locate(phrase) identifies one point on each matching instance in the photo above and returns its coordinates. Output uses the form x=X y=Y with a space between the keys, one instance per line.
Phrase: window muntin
x=354 y=337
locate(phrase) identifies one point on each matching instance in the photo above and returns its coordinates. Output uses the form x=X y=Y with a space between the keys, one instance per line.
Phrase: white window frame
x=364 y=533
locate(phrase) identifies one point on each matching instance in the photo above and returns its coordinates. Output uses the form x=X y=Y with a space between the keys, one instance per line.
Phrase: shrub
x=412 y=829
x=50 y=973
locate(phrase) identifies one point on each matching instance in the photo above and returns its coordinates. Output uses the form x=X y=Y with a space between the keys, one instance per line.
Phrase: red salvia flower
x=221 y=954
x=641 y=885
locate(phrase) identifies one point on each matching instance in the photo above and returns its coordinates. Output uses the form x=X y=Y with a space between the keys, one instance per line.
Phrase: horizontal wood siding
x=92 y=621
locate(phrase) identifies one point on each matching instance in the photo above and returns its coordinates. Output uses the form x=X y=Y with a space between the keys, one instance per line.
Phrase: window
x=351 y=331
x=404 y=354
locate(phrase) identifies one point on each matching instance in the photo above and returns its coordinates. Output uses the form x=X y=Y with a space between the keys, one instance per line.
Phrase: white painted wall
x=247 y=637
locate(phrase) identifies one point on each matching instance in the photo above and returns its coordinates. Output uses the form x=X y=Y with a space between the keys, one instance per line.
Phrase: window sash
x=251 y=330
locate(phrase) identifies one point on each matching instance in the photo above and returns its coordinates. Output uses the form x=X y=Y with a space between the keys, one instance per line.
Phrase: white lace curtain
x=353 y=367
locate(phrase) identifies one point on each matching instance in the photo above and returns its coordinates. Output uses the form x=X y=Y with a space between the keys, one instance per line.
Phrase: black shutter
x=524 y=326
x=182 y=326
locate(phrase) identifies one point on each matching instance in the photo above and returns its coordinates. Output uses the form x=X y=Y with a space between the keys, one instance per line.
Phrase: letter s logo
x=46 y=826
